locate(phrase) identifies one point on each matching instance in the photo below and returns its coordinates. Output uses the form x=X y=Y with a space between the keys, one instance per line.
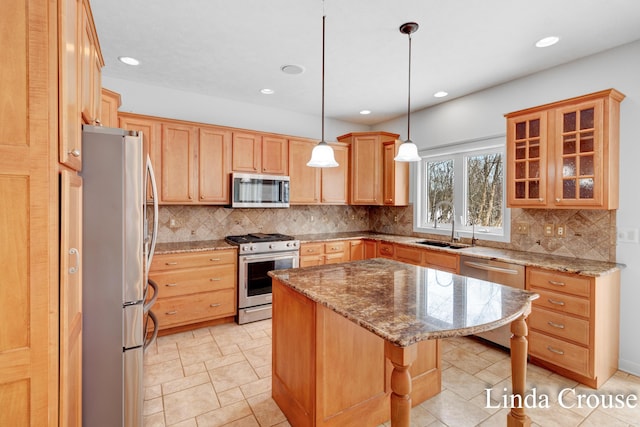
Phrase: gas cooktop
x=258 y=237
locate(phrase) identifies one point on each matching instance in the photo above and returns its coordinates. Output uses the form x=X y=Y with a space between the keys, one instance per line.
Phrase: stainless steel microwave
x=259 y=191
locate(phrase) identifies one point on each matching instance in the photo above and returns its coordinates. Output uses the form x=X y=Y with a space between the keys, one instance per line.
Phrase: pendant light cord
x=409 y=96
x=324 y=17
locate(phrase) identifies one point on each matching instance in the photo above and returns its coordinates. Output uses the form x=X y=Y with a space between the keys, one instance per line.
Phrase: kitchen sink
x=441 y=244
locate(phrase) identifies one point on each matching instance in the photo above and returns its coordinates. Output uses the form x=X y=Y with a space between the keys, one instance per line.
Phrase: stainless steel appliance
x=258 y=254
x=498 y=272
x=259 y=191
x=118 y=251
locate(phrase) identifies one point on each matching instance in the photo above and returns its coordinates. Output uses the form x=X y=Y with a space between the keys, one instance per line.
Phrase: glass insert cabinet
x=565 y=154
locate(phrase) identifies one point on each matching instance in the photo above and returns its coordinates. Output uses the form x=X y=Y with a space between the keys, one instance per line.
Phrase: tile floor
x=221 y=376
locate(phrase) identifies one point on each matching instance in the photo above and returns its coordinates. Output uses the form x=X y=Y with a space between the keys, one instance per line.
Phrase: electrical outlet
x=173 y=223
x=628 y=235
x=561 y=230
x=548 y=230
x=522 y=228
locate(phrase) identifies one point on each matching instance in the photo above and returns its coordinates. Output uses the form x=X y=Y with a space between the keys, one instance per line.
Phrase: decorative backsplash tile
x=590 y=234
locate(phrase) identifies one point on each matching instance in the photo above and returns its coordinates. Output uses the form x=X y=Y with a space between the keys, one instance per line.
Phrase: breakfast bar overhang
x=358 y=343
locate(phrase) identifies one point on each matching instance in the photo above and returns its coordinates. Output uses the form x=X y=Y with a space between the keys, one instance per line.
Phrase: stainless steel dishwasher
x=500 y=272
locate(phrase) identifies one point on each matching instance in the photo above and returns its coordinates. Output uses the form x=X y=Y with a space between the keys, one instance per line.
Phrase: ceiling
x=232 y=49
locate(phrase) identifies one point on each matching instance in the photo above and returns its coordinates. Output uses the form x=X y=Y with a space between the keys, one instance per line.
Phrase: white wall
x=481 y=115
x=169 y=103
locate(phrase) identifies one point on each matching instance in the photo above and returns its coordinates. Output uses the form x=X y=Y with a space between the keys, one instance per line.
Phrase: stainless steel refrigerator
x=118 y=240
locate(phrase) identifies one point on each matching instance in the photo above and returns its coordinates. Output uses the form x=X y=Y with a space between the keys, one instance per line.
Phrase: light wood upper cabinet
x=317 y=185
x=275 y=150
x=304 y=180
x=247 y=152
x=254 y=152
x=565 y=154
x=214 y=165
x=91 y=64
x=177 y=164
x=110 y=102
x=368 y=167
x=395 y=177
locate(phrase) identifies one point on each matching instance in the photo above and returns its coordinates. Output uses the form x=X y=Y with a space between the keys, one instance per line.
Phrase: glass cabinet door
x=527 y=160
x=579 y=154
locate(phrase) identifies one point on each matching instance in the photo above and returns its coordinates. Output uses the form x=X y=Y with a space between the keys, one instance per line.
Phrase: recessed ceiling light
x=267 y=91
x=440 y=94
x=128 y=60
x=365 y=112
x=547 y=41
x=292 y=69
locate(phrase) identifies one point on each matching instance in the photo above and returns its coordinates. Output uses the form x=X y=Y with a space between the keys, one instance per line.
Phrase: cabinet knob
x=558 y=199
x=97 y=122
x=541 y=199
x=75 y=152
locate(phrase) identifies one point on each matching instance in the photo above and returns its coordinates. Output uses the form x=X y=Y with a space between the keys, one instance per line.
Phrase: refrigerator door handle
x=154 y=232
x=149 y=304
x=150 y=340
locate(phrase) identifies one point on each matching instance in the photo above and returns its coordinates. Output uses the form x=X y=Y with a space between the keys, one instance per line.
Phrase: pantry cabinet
x=317 y=185
x=194 y=287
x=565 y=154
x=368 y=174
x=574 y=325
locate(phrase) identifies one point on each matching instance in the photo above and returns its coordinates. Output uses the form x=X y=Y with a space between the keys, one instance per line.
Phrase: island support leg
x=517 y=416
x=401 y=358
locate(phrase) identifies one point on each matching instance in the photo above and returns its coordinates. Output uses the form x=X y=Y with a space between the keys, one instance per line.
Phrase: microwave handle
x=284 y=191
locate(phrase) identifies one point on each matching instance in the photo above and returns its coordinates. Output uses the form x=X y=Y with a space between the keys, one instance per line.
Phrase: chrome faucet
x=453 y=216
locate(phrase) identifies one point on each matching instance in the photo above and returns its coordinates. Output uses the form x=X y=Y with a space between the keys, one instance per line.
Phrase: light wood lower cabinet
x=336 y=378
x=321 y=253
x=440 y=260
x=194 y=287
x=574 y=325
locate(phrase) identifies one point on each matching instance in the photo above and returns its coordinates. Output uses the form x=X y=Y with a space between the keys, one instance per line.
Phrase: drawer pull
x=215 y=279
x=556 y=351
x=215 y=305
x=214 y=259
x=555 y=302
x=555 y=325
x=171 y=263
x=555 y=283
x=309 y=250
x=171 y=313
x=171 y=285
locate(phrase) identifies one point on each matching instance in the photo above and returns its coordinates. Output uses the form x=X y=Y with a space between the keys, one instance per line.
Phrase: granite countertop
x=196 y=246
x=584 y=267
x=404 y=303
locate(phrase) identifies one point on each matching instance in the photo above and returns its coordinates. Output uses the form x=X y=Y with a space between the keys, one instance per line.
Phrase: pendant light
x=322 y=154
x=408 y=151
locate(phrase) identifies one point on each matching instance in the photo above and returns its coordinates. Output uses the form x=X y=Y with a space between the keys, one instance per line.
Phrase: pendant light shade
x=322 y=154
x=408 y=151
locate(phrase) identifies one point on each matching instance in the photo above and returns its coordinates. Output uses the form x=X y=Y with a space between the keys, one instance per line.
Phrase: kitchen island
x=352 y=340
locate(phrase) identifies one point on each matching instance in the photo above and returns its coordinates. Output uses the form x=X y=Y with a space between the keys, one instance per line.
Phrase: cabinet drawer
x=385 y=250
x=199 y=259
x=560 y=325
x=334 y=247
x=441 y=261
x=561 y=353
x=336 y=257
x=311 y=249
x=559 y=282
x=311 y=260
x=561 y=302
x=181 y=310
x=194 y=280
x=409 y=254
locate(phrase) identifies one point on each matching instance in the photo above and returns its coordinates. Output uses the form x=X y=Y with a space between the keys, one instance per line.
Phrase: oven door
x=253 y=281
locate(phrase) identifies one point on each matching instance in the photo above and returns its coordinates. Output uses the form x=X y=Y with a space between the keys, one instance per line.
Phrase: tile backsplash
x=590 y=234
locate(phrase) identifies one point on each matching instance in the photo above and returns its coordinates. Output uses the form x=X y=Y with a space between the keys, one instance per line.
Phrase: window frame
x=459 y=152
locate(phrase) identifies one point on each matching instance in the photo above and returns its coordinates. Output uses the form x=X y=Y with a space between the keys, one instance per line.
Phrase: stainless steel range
x=258 y=254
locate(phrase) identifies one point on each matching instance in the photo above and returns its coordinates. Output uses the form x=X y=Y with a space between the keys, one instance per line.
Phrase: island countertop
x=404 y=303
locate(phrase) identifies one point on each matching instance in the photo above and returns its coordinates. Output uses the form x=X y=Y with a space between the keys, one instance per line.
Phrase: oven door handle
x=246 y=259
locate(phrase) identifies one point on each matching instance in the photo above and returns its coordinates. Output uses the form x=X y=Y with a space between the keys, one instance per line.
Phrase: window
x=463 y=183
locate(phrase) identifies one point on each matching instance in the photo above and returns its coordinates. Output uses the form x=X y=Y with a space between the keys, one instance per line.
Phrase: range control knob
x=271 y=246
